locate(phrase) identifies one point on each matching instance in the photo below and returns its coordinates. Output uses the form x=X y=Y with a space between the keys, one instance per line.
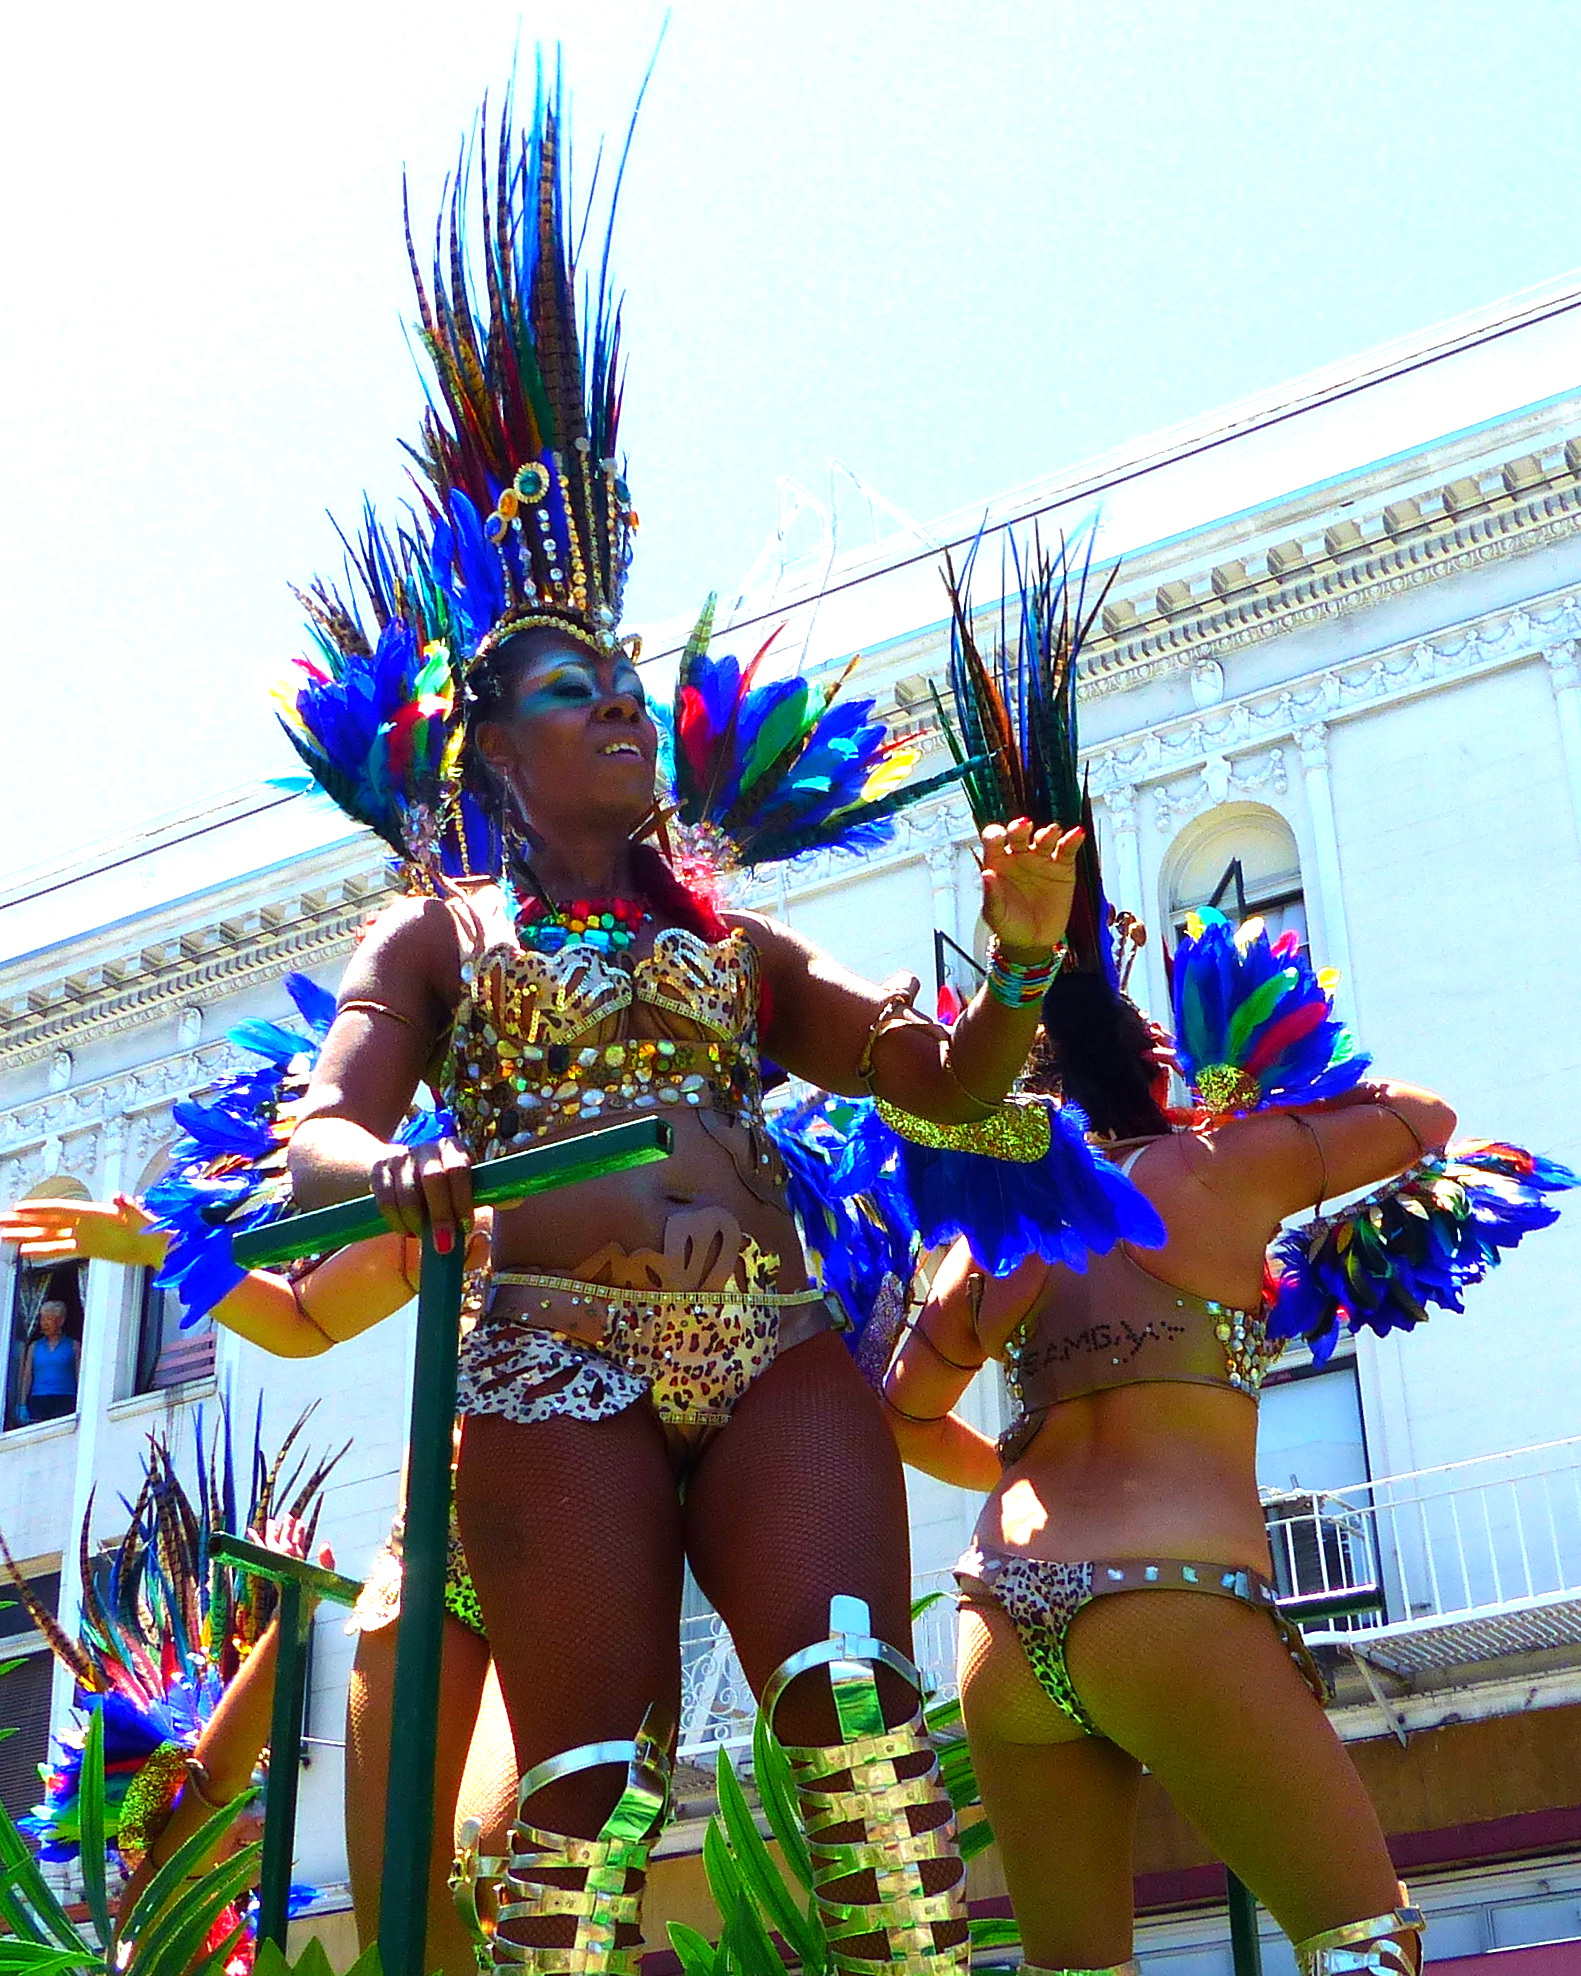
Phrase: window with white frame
x=163 y=1352
x=1312 y=1474
x=167 y=1353
x=1241 y=858
x=44 y=1344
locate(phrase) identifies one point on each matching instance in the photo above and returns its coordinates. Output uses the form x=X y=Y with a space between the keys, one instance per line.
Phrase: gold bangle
x=918 y=1331
x=1394 y=1111
x=197 y=1777
x=368 y=1007
x=982 y=1104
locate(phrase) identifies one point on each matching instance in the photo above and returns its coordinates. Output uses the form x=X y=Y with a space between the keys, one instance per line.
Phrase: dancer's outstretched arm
x=352 y=1290
x=849 y=1035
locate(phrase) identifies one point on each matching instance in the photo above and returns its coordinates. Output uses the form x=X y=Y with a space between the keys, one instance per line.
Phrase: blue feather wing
x=1060 y=1207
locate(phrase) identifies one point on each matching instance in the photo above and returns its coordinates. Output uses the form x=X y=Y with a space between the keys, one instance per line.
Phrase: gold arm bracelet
x=1310 y=1130
x=375 y=1008
x=898 y=1010
x=971 y=1097
x=1394 y=1111
x=198 y=1777
x=918 y=1331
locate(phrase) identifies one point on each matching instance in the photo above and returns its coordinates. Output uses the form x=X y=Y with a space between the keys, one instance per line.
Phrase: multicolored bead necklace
x=609 y=925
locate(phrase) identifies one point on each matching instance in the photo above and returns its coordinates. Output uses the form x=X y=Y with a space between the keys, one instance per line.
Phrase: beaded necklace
x=608 y=925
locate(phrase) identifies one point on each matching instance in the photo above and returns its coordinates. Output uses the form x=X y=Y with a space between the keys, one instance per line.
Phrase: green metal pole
x=409 y=1807
x=293 y=1618
x=1246 y=1948
x=560 y=1163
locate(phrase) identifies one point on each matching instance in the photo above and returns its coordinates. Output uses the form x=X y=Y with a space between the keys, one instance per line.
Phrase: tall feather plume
x=155 y=1656
x=529 y=516
x=1015 y=711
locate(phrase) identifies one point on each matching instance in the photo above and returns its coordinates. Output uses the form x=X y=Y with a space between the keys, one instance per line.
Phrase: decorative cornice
x=187 y=969
x=138 y=1099
x=1332 y=567
x=1303 y=710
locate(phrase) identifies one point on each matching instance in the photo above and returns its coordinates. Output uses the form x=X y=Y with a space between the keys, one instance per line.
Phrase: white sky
x=955 y=245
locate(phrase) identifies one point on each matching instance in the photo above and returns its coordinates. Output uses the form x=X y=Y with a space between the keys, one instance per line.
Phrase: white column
x=1333 y=949
x=1564 y=670
x=1123 y=878
x=944 y=870
x=101 y=1313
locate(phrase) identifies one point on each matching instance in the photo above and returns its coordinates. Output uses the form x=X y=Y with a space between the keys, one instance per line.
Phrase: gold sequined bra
x=543 y=1041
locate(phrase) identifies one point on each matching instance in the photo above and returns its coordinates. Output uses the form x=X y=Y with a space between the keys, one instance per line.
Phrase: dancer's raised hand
x=1029 y=881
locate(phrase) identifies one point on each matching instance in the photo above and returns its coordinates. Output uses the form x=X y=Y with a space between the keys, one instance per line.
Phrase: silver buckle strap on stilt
x=876 y=1799
x=474 y=1885
x=1364 y=1948
x=606 y=1899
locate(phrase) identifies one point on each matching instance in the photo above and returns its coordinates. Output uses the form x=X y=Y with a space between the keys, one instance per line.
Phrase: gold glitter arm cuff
x=1018 y=1130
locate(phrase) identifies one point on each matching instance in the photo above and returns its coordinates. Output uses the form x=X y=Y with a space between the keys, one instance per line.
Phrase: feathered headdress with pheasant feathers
x=164 y=1630
x=525 y=518
x=1013 y=734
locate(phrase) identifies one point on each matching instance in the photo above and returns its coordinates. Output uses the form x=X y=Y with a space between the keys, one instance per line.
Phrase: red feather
x=1281 y=1034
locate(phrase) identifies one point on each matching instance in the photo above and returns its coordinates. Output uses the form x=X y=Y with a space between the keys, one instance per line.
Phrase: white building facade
x=1338 y=682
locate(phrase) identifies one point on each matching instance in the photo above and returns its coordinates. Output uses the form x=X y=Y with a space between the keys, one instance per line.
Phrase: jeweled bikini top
x=1120 y=1325
x=543 y=1041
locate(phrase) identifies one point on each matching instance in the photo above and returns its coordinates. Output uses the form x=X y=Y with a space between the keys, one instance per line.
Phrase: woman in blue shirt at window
x=49 y=1368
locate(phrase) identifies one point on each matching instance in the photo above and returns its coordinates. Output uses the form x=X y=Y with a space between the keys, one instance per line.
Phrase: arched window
x=1243 y=859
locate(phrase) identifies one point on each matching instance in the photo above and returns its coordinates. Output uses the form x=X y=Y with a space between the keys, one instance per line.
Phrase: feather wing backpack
x=1386 y=1261
x=228 y=1171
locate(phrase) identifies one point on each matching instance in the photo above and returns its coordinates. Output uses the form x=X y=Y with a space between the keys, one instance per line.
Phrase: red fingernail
x=444 y=1240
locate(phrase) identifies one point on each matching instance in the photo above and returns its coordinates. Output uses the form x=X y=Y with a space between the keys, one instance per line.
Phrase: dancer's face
x=573 y=736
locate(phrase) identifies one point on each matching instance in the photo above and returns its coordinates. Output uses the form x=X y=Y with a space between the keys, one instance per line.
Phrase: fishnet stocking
x=801 y=1497
x=575 y=1532
x=369 y=1720
x=572 y=1529
x=1202 y=1691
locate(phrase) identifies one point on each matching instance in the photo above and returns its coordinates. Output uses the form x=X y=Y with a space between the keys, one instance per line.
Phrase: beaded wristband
x=1017 y=984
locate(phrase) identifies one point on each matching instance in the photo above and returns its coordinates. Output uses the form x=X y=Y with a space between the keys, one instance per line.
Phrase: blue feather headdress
x=767 y=769
x=228 y=1172
x=1418 y=1242
x=1254 y=1025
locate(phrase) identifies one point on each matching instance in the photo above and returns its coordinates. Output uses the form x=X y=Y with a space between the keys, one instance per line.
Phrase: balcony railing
x=717 y=1708
x=1469 y=1548
x=1488 y=1551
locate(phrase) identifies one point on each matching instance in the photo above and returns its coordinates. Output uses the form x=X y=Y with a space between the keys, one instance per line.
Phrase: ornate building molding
x=178 y=973
x=136 y=1101
x=1211 y=744
x=1330 y=568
